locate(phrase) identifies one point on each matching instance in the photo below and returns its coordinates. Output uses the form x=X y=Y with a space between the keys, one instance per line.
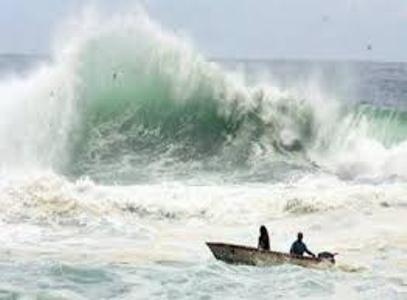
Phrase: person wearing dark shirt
x=298 y=247
x=264 y=241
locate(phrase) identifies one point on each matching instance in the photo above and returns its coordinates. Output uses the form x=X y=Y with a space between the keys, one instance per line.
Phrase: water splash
x=130 y=101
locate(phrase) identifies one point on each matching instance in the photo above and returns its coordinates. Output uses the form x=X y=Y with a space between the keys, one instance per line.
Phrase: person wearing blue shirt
x=298 y=247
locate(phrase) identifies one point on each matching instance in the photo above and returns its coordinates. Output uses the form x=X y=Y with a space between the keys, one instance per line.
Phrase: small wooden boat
x=236 y=254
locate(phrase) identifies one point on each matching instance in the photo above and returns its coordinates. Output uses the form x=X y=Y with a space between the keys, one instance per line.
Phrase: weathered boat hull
x=236 y=254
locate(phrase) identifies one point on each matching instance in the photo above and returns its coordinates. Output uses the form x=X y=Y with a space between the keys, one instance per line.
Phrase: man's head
x=300 y=236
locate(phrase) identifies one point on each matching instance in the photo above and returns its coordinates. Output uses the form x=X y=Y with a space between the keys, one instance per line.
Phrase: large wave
x=125 y=100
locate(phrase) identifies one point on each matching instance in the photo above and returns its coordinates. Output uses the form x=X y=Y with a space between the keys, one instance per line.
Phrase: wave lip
x=124 y=100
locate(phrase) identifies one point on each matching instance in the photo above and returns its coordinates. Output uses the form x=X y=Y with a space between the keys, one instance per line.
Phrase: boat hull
x=242 y=255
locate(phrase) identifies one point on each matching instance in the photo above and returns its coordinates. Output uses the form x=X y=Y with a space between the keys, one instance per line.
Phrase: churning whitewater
x=128 y=97
x=128 y=149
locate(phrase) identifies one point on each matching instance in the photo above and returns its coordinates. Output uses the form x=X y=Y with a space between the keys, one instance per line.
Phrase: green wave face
x=387 y=125
x=150 y=107
x=146 y=103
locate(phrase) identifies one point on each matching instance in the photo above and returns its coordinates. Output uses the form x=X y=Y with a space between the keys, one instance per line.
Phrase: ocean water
x=127 y=149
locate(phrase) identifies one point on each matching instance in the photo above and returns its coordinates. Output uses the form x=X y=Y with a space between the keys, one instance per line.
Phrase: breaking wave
x=127 y=101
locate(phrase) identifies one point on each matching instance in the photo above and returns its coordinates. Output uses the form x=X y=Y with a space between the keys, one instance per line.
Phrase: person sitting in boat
x=298 y=247
x=264 y=241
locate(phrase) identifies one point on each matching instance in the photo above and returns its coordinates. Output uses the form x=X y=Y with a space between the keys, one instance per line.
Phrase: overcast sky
x=315 y=29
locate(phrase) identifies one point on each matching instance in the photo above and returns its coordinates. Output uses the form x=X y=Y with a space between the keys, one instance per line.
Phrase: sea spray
x=123 y=100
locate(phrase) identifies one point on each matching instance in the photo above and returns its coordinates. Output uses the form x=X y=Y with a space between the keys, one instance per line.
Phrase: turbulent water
x=127 y=149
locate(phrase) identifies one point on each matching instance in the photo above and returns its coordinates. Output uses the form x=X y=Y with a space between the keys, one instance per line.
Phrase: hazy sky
x=325 y=29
